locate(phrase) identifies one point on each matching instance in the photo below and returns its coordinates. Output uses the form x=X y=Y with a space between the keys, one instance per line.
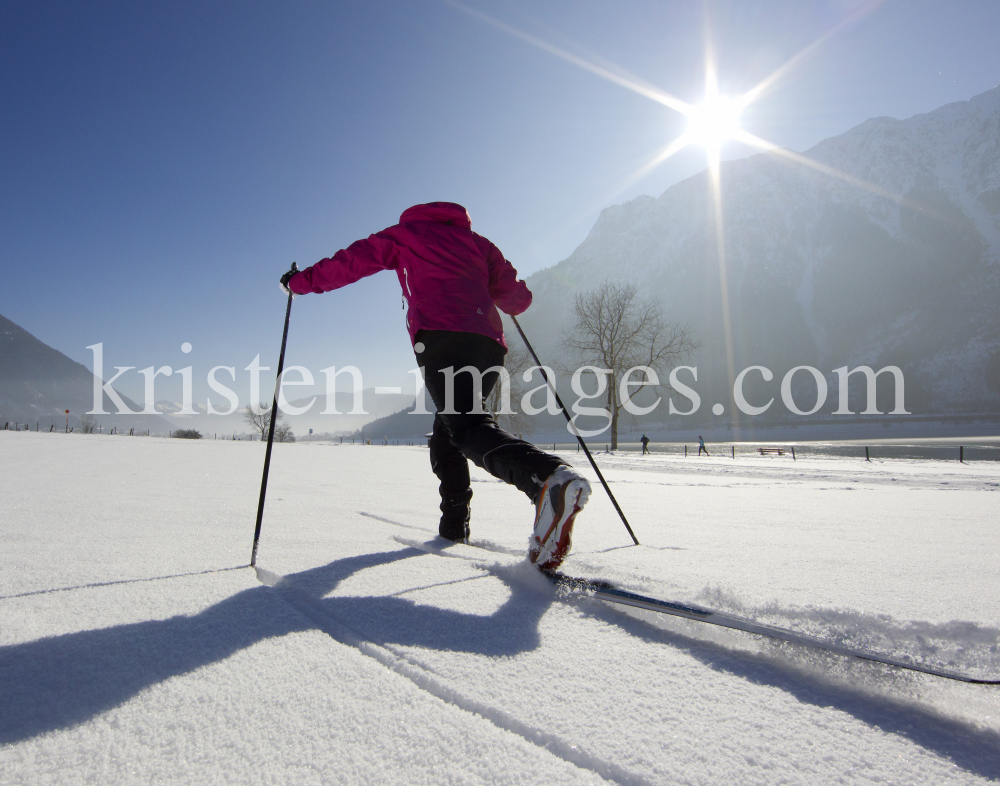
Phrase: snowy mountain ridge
x=885 y=252
x=38 y=383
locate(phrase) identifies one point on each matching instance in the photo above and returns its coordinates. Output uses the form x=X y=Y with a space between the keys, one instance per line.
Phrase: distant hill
x=400 y=425
x=38 y=383
x=375 y=402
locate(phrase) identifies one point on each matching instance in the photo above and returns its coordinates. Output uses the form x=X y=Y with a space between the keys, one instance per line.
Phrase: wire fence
x=936 y=451
x=956 y=451
x=57 y=428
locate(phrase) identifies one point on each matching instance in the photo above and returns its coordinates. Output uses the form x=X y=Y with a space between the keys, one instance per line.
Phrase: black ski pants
x=460 y=432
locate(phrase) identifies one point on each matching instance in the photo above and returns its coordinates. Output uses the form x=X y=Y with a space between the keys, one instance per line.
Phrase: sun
x=714 y=122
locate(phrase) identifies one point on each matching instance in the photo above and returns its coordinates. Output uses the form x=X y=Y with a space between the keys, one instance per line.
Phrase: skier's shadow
x=61 y=681
x=511 y=629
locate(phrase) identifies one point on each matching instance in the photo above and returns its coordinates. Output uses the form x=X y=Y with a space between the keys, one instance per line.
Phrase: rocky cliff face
x=897 y=262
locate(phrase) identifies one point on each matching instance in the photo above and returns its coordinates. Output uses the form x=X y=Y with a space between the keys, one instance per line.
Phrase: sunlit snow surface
x=136 y=647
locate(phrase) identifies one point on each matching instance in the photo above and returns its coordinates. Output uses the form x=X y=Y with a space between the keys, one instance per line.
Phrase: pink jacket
x=452 y=278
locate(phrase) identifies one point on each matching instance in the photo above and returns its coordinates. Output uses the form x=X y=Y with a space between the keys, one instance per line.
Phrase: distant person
x=701 y=446
x=645 y=445
x=453 y=280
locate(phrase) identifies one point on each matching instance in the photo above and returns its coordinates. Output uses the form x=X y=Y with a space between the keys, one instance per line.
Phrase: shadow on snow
x=61 y=681
x=968 y=746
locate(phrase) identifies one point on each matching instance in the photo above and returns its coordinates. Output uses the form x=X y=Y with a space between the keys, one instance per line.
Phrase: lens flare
x=714 y=122
x=710 y=125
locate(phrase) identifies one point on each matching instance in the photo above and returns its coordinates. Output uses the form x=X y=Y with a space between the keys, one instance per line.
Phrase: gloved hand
x=283 y=281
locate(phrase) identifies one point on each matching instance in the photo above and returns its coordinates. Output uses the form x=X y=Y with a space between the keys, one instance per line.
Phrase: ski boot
x=455 y=516
x=561 y=497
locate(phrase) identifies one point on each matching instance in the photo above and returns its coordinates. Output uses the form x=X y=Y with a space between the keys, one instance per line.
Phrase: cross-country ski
x=608 y=592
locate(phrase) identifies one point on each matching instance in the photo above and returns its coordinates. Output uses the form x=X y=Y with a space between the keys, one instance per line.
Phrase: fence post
x=685 y=451
x=793 y=453
x=867 y=457
x=961 y=454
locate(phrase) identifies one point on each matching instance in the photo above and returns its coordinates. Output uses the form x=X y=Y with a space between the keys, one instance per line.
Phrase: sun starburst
x=710 y=124
x=714 y=122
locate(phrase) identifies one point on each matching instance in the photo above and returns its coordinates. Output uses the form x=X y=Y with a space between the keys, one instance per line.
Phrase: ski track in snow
x=96 y=584
x=406 y=666
x=841 y=631
x=865 y=687
x=134 y=649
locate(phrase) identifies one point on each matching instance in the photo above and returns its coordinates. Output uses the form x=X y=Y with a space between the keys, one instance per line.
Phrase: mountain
x=399 y=425
x=375 y=402
x=38 y=383
x=894 y=261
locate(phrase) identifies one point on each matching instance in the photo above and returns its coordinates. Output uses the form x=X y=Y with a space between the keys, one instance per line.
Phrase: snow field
x=374 y=661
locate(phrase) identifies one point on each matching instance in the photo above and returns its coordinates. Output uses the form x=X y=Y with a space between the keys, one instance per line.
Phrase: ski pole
x=569 y=420
x=270 y=431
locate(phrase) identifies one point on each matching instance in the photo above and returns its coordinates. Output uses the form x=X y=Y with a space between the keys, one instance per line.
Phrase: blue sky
x=162 y=164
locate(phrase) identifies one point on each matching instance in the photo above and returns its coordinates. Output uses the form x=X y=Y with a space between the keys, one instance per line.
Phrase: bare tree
x=617 y=330
x=88 y=424
x=515 y=362
x=259 y=419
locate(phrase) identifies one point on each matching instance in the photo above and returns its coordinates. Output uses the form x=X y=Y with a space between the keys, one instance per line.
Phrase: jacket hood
x=445 y=212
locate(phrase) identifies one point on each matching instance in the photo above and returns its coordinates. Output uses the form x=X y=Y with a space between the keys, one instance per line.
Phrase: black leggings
x=462 y=434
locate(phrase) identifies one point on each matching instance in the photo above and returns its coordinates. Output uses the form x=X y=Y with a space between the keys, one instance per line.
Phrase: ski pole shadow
x=58 y=682
x=95 y=584
x=967 y=745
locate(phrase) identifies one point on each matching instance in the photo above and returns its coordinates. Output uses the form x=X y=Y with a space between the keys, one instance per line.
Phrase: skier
x=645 y=445
x=453 y=280
x=701 y=446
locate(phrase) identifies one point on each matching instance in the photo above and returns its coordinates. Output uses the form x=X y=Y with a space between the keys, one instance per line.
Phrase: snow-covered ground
x=136 y=647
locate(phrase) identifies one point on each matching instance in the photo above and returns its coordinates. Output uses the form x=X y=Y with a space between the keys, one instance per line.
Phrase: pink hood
x=445 y=212
x=452 y=278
